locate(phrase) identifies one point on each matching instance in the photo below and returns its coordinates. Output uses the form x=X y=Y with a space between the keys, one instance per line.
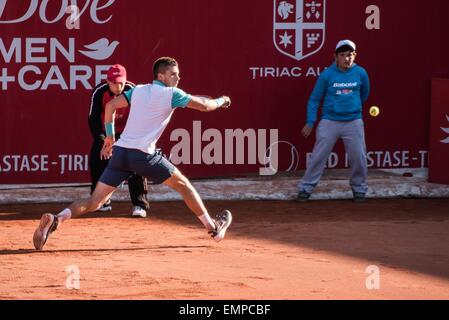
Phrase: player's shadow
x=34 y=211
x=96 y=250
x=408 y=234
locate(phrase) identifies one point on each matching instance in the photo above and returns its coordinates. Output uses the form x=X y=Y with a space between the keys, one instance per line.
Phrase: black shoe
x=48 y=224
x=359 y=197
x=302 y=196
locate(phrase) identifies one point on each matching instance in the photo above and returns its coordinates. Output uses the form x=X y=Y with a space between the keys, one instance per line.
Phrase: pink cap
x=117 y=73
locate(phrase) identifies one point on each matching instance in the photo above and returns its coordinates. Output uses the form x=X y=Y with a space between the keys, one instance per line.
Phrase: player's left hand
x=106 y=151
x=227 y=102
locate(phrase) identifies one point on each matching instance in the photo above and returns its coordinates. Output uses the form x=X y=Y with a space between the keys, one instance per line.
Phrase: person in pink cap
x=115 y=84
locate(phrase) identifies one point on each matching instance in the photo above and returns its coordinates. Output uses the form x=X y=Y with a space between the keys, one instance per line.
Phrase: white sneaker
x=47 y=225
x=139 y=212
x=222 y=222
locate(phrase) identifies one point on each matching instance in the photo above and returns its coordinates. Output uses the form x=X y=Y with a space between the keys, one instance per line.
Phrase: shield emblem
x=299 y=27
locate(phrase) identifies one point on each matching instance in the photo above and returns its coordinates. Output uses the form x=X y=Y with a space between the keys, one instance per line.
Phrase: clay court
x=273 y=250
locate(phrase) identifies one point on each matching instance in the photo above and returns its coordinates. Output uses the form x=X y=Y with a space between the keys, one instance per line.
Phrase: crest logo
x=299 y=27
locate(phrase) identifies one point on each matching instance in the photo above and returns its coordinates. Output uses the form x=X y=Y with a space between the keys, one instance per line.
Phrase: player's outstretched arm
x=206 y=105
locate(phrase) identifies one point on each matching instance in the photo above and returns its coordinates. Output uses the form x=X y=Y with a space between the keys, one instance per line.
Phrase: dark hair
x=344 y=49
x=162 y=64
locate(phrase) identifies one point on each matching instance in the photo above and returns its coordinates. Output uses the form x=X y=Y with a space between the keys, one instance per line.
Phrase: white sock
x=207 y=221
x=64 y=215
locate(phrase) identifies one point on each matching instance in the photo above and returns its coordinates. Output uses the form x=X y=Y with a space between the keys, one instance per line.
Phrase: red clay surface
x=273 y=250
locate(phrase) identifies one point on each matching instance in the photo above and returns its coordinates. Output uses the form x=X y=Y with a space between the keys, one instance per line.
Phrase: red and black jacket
x=100 y=96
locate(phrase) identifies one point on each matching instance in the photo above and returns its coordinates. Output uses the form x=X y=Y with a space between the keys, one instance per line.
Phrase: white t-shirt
x=151 y=108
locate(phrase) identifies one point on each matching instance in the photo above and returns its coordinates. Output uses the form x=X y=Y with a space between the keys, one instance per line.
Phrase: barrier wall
x=439 y=132
x=266 y=55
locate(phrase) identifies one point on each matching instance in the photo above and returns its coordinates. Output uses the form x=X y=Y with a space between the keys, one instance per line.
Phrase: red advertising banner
x=439 y=132
x=266 y=56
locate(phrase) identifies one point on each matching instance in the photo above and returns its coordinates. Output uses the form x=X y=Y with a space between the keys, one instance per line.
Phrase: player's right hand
x=106 y=151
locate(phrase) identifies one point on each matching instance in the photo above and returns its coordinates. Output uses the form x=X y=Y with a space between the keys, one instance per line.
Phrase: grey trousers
x=327 y=133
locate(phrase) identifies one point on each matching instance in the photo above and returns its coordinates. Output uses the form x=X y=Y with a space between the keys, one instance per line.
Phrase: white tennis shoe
x=48 y=224
x=222 y=222
x=139 y=212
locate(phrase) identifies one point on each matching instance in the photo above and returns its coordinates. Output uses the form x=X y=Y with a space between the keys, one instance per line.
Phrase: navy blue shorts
x=126 y=162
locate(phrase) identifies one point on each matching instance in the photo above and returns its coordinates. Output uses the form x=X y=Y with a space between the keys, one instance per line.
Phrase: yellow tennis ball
x=374 y=111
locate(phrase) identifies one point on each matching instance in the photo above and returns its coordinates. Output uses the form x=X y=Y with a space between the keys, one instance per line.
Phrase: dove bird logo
x=446 y=130
x=100 y=49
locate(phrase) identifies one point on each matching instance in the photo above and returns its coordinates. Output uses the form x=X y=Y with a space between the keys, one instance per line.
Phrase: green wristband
x=109 y=127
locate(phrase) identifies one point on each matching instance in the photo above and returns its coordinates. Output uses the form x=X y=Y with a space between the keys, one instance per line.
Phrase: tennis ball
x=374 y=111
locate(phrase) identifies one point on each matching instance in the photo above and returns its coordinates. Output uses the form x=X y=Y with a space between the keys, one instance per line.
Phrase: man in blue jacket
x=345 y=87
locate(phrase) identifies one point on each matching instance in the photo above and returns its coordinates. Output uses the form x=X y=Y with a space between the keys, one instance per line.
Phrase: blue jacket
x=344 y=94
